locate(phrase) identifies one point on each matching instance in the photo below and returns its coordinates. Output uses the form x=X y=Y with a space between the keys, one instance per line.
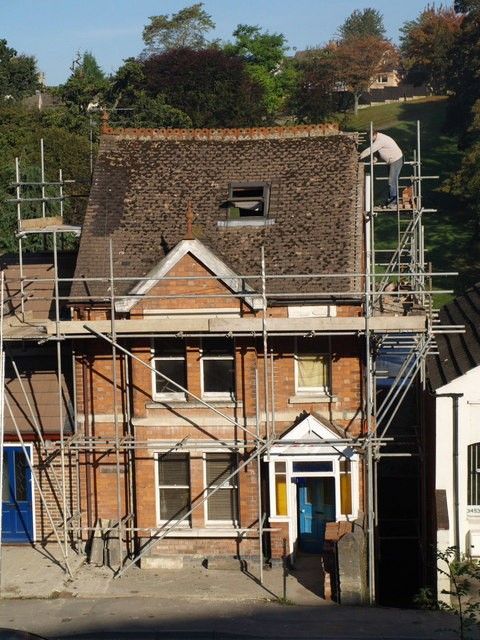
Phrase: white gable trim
x=205 y=256
x=310 y=428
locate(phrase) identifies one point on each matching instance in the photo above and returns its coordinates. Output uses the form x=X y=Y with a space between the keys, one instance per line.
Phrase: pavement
x=189 y=603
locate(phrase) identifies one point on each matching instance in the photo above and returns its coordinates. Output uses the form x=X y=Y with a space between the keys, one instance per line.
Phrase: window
x=169 y=359
x=248 y=200
x=345 y=487
x=281 y=489
x=173 y=486
x=222 y=505
x=473 y=491
x=382 y=79
x=218 y=368
x=312 y=365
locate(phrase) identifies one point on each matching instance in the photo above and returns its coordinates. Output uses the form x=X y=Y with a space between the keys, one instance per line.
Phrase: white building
x=455 y=378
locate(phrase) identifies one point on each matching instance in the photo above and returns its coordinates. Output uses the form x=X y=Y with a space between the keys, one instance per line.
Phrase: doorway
x=17 y=499
x=316 y=507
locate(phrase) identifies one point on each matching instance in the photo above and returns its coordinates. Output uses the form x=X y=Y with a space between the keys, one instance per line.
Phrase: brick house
x=228 y=419
x=191 y=283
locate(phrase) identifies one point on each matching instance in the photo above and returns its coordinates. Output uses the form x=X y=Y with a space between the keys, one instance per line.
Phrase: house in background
x=455 y=380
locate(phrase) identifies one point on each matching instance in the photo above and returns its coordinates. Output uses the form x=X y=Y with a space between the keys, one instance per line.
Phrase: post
x=259 y=484
x=60 y=395
x=368 y=397
x=265 y=344
x=2 y=421
x=115 y=416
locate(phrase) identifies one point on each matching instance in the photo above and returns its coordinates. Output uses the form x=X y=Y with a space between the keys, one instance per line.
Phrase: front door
x=316 y=507
x=17 y=511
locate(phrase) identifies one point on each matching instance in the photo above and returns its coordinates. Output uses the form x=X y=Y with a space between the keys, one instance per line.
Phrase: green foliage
x=128 y=84
x=18 y=73
x=150 y=112
x=186 y=28
x=313 y=98
x=87 y=84
x=363 y=23
x=213 y=88
x=464 y=577
x=264 y=56
x=426 y=46
x=20 y=134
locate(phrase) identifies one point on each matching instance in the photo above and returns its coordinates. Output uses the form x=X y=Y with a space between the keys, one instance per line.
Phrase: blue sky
x=54 y=30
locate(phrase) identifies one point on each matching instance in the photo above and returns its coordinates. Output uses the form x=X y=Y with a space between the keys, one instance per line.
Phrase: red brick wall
x=157 y=421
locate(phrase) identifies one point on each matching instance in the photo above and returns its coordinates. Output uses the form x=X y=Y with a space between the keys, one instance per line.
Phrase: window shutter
x=223 y=505
x=219 y=467
x=173 y=470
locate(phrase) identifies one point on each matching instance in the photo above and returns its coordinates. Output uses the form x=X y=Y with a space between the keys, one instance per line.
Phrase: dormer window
x=247 y=200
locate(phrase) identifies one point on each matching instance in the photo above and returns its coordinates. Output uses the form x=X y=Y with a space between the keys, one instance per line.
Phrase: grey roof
x=458 y=352
x=144 y=180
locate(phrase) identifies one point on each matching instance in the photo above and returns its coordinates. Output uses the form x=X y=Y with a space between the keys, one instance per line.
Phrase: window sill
x=310 y=397
x=246 y=222
x=184 y=404
x=210 y=532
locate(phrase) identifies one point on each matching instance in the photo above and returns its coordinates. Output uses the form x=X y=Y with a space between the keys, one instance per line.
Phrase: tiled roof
x=458 y=352
x=144 y=180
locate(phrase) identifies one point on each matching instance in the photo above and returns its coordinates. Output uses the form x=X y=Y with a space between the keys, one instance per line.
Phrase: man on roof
x=389 y=152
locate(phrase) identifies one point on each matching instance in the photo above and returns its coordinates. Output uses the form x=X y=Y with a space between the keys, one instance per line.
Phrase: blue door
x=17 y=511
x=316 y=507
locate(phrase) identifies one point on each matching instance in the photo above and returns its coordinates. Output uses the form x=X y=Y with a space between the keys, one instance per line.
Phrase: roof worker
x=389 y=152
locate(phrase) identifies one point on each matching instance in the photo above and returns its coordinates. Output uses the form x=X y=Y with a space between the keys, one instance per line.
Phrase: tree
x=264 y=56
x=313 y=96
x=18 y=73
x=426 y=46
x=210 y=86
x=361 y=24
x=87 y=84
x=184 y=29
x=464 y=79
x=358 y=60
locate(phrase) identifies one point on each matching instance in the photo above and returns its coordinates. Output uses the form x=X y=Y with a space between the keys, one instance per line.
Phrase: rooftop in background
x=458 y=352
x=144 y=180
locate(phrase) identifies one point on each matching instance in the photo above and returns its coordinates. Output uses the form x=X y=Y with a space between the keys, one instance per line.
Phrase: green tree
x=18 y=73
x=265 y=57
x=185 y=29
x=426 y=46
x=20 y=134
x=313 y=98
x=150 y=112
x=213 y=88
x=361 y=24
x=87 y=84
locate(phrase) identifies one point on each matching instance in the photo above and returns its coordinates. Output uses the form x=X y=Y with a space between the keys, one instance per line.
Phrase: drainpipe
x=456 y=503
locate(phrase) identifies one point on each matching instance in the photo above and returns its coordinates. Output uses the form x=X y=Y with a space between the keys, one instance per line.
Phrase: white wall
x=468 y=433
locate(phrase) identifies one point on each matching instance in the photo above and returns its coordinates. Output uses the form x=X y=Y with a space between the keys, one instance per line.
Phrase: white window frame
x=218 y=395
x=220 y=523
x=186 y=524
x=166 y=395
x=321 y=391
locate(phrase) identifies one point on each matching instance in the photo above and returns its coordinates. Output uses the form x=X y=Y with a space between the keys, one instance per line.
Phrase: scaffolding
x=396 y=297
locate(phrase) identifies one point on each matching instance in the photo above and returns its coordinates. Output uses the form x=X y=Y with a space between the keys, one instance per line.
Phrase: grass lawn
x=449 y=233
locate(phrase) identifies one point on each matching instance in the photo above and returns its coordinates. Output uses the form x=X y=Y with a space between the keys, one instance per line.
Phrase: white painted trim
x=205 y=256
x=28 y=445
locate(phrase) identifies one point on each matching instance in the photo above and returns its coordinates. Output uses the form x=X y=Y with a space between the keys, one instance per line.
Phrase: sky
x=55 y=30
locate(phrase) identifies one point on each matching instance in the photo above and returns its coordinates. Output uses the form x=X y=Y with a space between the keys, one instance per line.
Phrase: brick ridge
x=242 y=133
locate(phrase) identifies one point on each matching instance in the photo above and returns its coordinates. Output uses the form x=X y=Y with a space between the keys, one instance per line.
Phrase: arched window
x=474 y=474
